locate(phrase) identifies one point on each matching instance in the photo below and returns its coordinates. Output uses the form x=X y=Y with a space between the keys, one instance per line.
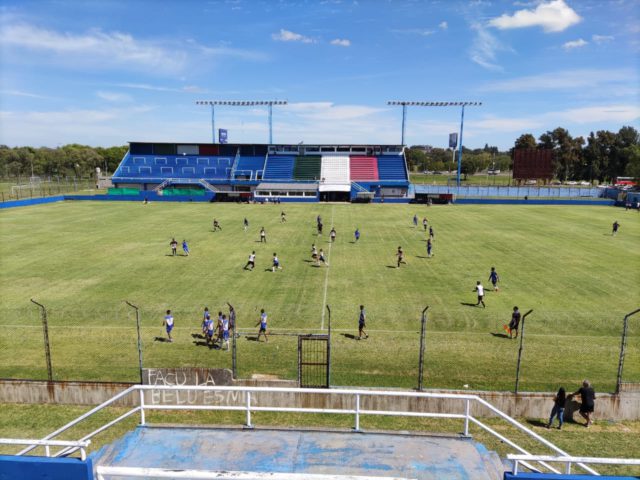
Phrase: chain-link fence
x=102 y=345
x=36 y=187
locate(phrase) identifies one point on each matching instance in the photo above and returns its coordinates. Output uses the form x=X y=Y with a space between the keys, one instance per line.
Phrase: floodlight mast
x=241 y=103
x=404 y=105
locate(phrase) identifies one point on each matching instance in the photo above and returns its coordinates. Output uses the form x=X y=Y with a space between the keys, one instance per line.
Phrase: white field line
x=326 y=276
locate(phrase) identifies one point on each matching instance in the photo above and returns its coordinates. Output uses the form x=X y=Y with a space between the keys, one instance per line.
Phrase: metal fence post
x=357 y=426
x=234 y=350
x=520 y=351
x=249 y=410
x=329 y=351
x=423 y=331
x=143 y=420
x=139 y=339
x=623 y=347
x=466 y=417
x=47 y=348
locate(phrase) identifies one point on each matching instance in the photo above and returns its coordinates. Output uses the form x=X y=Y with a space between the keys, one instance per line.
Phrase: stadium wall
x=513 y=192
x=622 y=407
x=45 y=468
x=513 y=201
x=31 y=201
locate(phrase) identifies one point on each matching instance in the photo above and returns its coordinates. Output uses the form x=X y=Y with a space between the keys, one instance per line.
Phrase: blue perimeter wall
x=43 y=468
x=154 y=197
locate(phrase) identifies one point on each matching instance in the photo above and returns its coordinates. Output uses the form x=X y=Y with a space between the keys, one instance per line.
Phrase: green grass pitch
x=82 y=260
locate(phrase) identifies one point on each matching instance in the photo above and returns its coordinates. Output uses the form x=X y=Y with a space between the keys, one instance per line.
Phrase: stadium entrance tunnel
x=335 y=196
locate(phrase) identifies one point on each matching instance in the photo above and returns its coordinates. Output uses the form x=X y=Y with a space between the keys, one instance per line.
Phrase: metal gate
x=313 y=361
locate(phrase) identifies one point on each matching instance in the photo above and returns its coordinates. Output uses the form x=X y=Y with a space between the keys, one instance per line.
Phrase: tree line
x=65 y=161
x=602 y=157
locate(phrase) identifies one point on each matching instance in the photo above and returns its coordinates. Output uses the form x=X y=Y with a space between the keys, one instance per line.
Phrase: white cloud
x=443 y=25
x=95 y=46
x=414 y=31
x=553 y=16
x=580 y=79
x=113 y=96
x=288 y=36
x=160 y=88
x=330 y=111
x=574 y=44
x=20 y=93
x=484 y=47
x=601 y=113
x=602 y=38
x=341 y=42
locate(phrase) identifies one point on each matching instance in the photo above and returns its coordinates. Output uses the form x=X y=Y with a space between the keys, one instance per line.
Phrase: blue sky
x=107 y=72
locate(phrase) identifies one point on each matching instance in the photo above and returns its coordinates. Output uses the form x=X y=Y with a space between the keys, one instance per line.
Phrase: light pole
x=241 y=103
x=406 y=104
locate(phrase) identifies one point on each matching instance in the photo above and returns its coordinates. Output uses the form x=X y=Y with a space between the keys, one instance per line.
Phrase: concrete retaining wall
x=625 y=406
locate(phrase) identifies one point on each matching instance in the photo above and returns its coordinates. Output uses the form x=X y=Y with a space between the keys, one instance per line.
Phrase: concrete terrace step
x=295 y=451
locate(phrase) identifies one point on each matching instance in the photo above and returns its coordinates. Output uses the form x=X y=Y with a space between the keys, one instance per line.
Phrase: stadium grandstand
x=264 y=172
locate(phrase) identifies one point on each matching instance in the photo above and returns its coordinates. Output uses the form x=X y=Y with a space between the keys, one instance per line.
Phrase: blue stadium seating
x=392 y=168
x=279 y=168
x=152 y=167
x=249 y=167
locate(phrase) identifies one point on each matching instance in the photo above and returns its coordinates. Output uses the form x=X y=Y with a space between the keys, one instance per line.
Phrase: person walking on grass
x=174 y=247
x=283 y=217
x=332 y=234
x=356 y=234
x=429 y=248
x=494 y=278
x=276 y=263
x=400 y=255
x=245 y=224
x=251 y=263
x=210 y=330
x=263 y=236
x=321 y=258
x=263 y=325
x=514 y=324
x=362 y=322
x=432 y=235
x=205 y=317
x=558 y=408
x=480 y=289
x=415 y=221
x=588 y=399
x=224 y=330
x=614 y=228
x=216 y=225
x=168 y=325
x=425 y=223
x=185 y=247
x=232 y=317
x=314 y=253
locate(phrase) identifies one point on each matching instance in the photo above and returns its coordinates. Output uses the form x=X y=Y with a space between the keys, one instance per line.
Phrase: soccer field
x=82 y=260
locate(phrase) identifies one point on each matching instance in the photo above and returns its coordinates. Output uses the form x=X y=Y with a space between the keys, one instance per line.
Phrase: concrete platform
x=312 y=452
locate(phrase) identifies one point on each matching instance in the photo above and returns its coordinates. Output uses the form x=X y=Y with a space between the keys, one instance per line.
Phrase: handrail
x=530 y=432
x=248 y=405
x=81 y=417
x=568 y=460
x=77 y=444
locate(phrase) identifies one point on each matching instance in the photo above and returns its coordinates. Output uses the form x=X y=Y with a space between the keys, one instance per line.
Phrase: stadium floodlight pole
x=406 y=104
x=139 y=338
x=423 y=332
x=520 y=350
x=242 y=103
x=623 y=346
x=45 y=331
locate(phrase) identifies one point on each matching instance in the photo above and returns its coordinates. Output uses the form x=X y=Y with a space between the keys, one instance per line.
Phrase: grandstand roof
x=312 y=187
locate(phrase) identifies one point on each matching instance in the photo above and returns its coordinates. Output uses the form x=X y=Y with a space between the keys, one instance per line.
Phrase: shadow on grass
x=161 y=339
x=469 y=304
x=198 y=335
x=392 y=266
x=350 y=336
x=536 y=423
x=500 y=335
x=420 y=256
